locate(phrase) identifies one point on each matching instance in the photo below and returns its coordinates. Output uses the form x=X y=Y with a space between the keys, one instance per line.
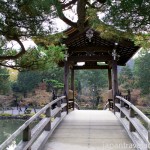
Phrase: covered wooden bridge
x=95 y=53
x=71 y=129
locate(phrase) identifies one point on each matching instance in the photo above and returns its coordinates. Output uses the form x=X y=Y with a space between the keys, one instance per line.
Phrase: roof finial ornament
x=114 y=53
x=89 y=34
x=66 y=55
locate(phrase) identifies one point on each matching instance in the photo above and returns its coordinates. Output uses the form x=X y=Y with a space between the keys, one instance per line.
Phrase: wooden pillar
x=48 y=115
x=114 y=81
x=109 y=79
x=72 y=84
x=66 y=86
x=27 y=135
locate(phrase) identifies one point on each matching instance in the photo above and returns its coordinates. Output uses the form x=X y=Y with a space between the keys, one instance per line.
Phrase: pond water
x=7 y=127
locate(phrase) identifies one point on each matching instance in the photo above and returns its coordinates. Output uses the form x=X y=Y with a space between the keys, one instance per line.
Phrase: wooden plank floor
x=90 y=130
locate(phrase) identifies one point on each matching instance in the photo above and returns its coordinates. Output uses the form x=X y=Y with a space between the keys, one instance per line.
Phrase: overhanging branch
x=63 y=17
x=68 y=4
x=23 y=51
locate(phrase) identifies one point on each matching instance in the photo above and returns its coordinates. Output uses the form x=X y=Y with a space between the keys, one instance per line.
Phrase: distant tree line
x=139 y=76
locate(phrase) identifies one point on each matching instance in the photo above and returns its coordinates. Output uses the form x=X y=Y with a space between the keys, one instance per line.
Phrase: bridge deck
x=89 y=130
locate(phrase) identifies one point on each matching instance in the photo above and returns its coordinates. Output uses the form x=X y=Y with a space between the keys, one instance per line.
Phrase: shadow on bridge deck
x=90 y=130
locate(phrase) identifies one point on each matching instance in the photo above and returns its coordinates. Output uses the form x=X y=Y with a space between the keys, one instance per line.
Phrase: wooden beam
x=100 y=48
x=91 y=67
x=101 y=58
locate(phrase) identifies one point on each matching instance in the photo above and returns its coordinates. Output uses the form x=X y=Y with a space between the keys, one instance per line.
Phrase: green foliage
x=142 y=40
x=123 y=19
x=27 y=81
x=126 y=79
x=128 y=14
x=53 y=73
x=98 y=78
x=142 y=71
x=28 y=15
x=4 y=80
x=54 y=85
x=6 y=115
x=54 y=79
x=126 y=19
x=24 y=19
x=40 y=58
x=107 y=31
x=50 y=39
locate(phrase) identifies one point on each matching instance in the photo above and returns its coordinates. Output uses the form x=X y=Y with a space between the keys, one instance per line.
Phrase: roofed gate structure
x=88 y=130
x=90 y=48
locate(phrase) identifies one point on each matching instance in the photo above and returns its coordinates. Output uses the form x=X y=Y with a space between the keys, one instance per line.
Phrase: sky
x=27 y=44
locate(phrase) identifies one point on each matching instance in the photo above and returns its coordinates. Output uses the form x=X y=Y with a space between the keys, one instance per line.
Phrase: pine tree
x=142 y=70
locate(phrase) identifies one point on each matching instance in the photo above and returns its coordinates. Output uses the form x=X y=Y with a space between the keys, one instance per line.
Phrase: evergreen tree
x=98 y=78
x=142 y=71
x=126 y=78
x=27 y=81
x=4 y=80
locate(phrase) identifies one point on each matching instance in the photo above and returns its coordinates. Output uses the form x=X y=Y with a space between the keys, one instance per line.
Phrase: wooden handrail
x=132 y=124
x=140 y=113
x=76 y=105
x=106 y=106
x=28 y=138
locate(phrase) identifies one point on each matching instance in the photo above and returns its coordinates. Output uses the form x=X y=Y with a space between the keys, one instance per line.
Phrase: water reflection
x=7 y=127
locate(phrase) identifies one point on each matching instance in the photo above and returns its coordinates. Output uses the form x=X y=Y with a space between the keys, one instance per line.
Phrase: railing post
x=132 y=115
x=65 y=108
x=48 y=115
x=27 y=135
x=59 y=106
x=63 y=101
x=129 y=96
x=122 y=105
x=115 y=107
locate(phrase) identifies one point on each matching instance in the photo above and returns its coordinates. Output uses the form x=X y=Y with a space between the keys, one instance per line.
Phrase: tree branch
x=95 y=7
x=17 y=66
x=67 y=21
x=23 y=51
x=63 y=18
x=68 y=4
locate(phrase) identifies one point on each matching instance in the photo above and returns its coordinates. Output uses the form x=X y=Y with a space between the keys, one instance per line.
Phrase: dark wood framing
x=93 y=48
x=66 y=85
x=93 y=51
x=114 y=81
x=109 y=79
x=95 y=58
x=72 y=84
x=91 y=67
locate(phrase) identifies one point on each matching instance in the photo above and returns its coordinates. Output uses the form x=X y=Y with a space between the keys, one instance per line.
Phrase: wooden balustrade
x=129 y=117
x=76 y=105
x=36 y=137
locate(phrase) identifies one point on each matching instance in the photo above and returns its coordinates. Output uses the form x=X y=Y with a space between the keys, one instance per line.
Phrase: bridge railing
x=135 y=122
x=36 y=137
